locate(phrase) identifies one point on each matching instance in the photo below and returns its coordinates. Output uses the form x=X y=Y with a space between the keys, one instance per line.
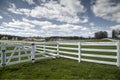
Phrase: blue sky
x=58 y=17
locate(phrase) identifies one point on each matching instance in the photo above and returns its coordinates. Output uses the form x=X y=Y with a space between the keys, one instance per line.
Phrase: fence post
x=33 y=53
x=58 y=55
x=118 y=53
x=3 y=55
x=44 y=48
x=19 y=53
x=79 y=51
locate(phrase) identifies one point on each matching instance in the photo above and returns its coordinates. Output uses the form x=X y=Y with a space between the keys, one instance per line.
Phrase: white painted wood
x=118 y=53
x=33 y=53
x=68 y=43
x=8 y=61
x=3 y=55
x=99 y=50
x=44 y=48
x=49 y=53
x=99 y=56
x=52 y=54
x=65 y=52
x=44 y=57
x=69 y=57
x=98 y=44
x=58 y=50
x=50 y=50
x=39 y=49
x=50 y=43
x=19 y=55
x=51 y=46
x=39 y=45
x=68 y=48
x=79 y=52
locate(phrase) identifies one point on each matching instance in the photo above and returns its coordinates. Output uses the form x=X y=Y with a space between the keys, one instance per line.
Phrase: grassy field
x=63 y=68
x=87 y=40
x=60 y=69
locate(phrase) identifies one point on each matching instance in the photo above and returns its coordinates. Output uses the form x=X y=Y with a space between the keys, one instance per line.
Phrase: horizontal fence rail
x=97 y=52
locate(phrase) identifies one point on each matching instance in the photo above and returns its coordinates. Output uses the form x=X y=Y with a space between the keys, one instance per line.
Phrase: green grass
x=87 y=40
x=97 y=40
x=60 y=69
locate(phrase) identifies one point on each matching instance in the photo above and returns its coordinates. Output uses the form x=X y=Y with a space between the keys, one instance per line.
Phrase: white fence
x=97 y=52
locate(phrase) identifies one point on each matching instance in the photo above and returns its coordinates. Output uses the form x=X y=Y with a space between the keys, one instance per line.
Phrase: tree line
x=104 y=34
x=97 y=35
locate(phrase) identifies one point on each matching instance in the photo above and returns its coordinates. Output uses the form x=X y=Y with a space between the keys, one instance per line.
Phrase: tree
x=115 y=33
x=101 y=34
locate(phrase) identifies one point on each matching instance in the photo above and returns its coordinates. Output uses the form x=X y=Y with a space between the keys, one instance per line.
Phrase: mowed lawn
x=59 y=69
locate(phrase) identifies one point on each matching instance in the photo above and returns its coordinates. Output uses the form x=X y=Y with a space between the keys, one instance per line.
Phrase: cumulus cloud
x=65 y=11
x=107 y=10
x=50 y=26
x=73 y=5
x=17 y=27
x=38 y=28
x=18 y=24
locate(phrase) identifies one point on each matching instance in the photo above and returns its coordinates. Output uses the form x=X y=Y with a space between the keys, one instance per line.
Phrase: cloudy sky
x=58 y=17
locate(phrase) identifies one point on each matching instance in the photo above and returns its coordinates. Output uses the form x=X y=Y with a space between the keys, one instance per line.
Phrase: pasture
x=61 y=68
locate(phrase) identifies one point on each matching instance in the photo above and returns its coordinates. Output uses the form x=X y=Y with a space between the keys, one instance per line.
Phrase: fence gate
x=15 y=53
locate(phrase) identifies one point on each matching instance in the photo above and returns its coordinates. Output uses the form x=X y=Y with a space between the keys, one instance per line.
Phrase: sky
x=58 y=17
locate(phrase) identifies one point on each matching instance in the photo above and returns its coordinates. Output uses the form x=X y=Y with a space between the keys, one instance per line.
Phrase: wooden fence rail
x=97 y=52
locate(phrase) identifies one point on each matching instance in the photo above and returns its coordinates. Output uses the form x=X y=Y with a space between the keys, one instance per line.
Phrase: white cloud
x=107 y=10
x=30 y=2
x=18 y=24
x=12 y=8
x=28 y=27
x=116 y=27
x=53 y=10
x=50 y=26
x=17 y=27
x=1 y=17
x=73 y=5
x=66 y=11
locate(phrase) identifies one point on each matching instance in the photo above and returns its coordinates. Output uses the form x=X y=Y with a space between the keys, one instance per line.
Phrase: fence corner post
x=33 y=53
x=3 y=55
x=79 y=51
x=58 y=54
x=118 y=53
